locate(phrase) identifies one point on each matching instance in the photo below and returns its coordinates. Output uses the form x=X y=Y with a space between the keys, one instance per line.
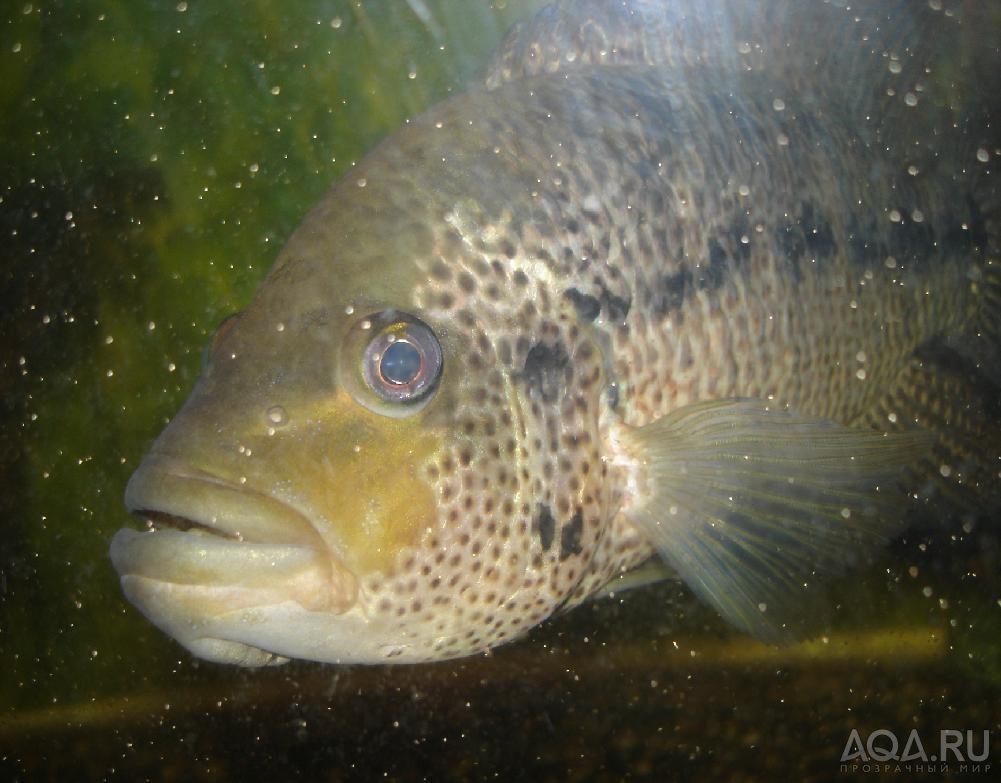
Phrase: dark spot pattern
x=670 y=295
x=545 y=526
x=817 y=232
x=545 y=370
x=587 y=306
x=616 y=307
x=911 y=242
x=964 y=230
x=570 y=536
x=712 y=275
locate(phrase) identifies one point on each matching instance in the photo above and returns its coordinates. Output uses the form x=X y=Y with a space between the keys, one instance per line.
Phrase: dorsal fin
x=876 y=59
x=573 y=33
x=737 y=33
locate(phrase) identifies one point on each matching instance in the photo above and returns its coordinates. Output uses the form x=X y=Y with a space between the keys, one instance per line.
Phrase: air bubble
x=778 y=104
x=277 y=415
x=982 y=155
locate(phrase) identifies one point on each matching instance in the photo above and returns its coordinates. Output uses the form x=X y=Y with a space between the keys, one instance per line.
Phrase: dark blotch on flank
x=545 y=369
x=616 y=307
x=971 y=240
x=587 y=306
x=712 y=275
x=671 y=292
x=570 y=536
x=817 y=233
x=912 y=243
x=545 y=526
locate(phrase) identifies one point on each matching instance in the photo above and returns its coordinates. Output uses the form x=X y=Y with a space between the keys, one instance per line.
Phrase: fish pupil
x=401 y=363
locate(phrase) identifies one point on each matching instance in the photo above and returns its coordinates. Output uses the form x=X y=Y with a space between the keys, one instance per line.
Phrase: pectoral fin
x=753 y=507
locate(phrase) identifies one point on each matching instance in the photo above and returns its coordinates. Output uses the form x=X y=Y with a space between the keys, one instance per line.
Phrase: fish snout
x=217 y=558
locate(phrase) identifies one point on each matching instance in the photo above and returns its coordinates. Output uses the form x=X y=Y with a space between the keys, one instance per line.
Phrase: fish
x=702 y=290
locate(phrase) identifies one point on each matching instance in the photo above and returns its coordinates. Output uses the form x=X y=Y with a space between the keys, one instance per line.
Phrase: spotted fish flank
x=664 y=286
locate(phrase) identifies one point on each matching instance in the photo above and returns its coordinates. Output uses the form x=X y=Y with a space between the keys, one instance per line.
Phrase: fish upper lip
x=169 y=492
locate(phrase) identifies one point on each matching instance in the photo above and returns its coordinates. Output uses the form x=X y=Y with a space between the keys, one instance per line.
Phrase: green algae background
x=155 y=157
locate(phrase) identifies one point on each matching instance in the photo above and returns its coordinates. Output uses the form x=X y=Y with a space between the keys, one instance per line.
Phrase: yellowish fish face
x=393 y=453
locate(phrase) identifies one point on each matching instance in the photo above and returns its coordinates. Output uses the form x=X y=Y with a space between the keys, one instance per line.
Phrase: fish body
x=667 y=284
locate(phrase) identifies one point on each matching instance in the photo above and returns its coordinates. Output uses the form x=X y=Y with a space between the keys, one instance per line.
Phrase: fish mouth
x=217 y=556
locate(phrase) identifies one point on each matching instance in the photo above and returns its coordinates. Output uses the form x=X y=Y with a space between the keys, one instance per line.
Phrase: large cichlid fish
x=711 y=284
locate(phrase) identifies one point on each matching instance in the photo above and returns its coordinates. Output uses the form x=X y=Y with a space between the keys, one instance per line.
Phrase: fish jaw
x=219 y=563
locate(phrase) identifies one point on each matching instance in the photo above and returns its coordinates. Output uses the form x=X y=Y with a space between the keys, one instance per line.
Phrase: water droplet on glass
x=778 y=104
x=277 y=415
x=336 y=23
x=917 y=216
x=895 y=215
x=911 y=99
x=895 y=67
x=982 y=155
x=783 y=140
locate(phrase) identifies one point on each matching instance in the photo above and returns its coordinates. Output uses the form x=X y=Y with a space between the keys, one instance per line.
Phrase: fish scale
x=680 y=262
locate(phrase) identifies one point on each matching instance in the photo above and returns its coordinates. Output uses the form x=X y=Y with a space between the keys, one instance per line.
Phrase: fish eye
x=402 y=362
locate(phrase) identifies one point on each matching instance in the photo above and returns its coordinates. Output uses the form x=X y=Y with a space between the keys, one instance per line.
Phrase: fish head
x=393 y=453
